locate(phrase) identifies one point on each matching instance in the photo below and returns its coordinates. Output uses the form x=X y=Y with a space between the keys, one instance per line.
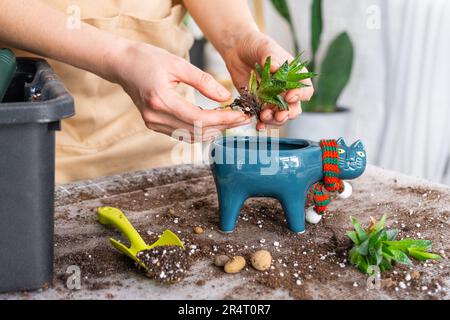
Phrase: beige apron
x=108 y=135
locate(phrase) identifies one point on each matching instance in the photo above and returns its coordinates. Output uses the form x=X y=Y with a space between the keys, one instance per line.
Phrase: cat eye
x=361 y=154
x=341 y=151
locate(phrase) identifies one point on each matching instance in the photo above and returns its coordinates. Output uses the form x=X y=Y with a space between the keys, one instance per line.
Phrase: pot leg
x=230 y=204
x=294 y=210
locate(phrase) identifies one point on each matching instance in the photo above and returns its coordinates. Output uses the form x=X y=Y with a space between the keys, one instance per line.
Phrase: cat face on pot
x=352 y=159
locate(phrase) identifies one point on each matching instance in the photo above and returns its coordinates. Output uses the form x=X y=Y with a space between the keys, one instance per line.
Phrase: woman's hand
x=150 y=76
x=254 y=47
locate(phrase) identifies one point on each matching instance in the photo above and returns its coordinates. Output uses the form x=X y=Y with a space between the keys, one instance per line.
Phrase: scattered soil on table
x=301 y=263
x=167 y=264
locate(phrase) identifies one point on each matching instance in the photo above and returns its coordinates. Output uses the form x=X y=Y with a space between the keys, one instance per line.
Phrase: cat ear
x=359 y=145
x=341 y=142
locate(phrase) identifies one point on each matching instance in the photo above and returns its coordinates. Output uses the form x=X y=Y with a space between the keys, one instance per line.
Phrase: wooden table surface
x=183 y=197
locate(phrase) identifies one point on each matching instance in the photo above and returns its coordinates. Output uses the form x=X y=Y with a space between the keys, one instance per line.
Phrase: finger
x=293 y=96
x=306 y=93
x=202 y=81
x=267 y=114
x=295 y=110
x=271 y=115
x=261 y=126
x=162 y=119
x=278 y=57
x=189 y=113
x=185 y=135
x=281 y=117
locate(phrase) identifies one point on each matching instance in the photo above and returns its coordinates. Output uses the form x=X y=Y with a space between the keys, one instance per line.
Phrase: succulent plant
x=376 y=246
x=265 y=88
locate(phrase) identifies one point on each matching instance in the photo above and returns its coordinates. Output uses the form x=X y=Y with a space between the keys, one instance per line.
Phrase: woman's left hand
x=254 y=47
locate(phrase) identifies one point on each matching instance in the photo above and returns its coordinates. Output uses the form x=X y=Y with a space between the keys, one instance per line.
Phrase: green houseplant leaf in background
x=316 y=31
x=283 y=9
x=336 y=67
x=335 y=73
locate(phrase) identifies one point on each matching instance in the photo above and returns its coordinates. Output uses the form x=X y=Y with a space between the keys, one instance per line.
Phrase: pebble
x=402 y=285
x=198 y=230
x=276 y=244
x=235 y=265
x=221 y=260
x=261 y=260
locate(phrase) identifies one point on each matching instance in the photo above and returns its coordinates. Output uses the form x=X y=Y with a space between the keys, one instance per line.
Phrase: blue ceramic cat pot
x=284 y=169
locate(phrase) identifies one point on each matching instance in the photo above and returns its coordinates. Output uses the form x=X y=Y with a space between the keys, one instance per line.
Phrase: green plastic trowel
x=116 y=218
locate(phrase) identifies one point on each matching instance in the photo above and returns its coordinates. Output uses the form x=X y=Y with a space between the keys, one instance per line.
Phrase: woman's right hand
x=150 y=76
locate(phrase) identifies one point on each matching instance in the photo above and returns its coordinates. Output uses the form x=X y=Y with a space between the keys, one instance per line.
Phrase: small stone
x=198 y=230
x=408 y=277
x=261 y=260
x=276 y=244
x=235 y=265
x=298 y=282
x=221 y=260
x=402 y=285
x=415 y=275
x=355 y=284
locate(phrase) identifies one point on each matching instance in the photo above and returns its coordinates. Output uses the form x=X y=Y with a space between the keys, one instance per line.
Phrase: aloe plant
x=376 y=246
x=267 y=88
x=336 y=67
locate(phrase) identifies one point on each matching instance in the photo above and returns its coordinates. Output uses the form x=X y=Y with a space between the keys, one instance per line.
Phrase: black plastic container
x=30 y=113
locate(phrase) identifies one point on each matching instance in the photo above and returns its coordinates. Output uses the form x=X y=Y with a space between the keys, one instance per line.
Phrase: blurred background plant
x=335 y=69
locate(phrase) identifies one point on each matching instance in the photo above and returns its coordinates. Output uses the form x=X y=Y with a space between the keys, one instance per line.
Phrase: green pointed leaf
x=253 y=82
x=269 y=100
x=399 y=256
x=282 y=72
x=300 y=76
x=335 y=71
x=363 y=265
x=362 y=234
x=385 y=265
x=258 y=70
x=296 y=61
x=353 y=236
x=391 y=234
x=295 y=85
x=283 y=102
x=363 y=248
x=407 y=243
x=266 y=70
x=422 y=255
x=380 y=224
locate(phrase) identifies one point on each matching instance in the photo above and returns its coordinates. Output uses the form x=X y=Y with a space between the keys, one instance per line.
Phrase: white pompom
x=312 y=216
x=347 y=191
